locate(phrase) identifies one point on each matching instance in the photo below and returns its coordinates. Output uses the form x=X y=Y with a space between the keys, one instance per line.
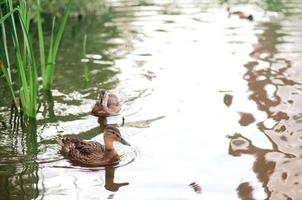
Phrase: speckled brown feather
x=87 y=153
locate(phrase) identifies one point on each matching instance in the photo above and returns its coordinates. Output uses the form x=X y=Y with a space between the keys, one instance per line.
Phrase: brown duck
x=243 y=15
x=107 y=105
x=90 y=153
x=240 y=14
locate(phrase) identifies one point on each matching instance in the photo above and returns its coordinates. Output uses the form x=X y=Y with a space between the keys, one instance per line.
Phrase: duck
x=243 y=15
x=240 y=14
x=92 y=153
x=107 y=105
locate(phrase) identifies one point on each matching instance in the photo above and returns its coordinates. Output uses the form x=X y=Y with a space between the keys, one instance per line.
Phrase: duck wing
x=90 y=147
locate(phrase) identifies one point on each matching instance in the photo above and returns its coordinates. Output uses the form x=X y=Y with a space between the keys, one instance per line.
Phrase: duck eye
x=112 y=132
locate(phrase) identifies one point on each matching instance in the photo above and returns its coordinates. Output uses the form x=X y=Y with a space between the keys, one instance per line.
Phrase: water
x=211 y=105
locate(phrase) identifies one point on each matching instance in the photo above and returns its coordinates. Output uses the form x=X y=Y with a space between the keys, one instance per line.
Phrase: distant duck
x=107 y=105
x=90 y=153
x=243 y=15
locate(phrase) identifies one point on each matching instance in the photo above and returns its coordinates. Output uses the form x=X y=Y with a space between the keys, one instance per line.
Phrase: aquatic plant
x=48 y=66
x=4 y=59
x=13 y=19
x=85 y=66
x=24 y=57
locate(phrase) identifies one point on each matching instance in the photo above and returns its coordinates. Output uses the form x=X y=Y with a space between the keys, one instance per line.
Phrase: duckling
x=90 y=153
x=107 y=105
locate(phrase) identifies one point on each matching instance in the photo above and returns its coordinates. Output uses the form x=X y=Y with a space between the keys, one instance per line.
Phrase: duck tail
x=60 y=140
x=67 y=141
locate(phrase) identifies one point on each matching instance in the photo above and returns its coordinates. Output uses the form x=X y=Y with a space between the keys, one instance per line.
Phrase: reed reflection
x=48 y=105
x=18 y=167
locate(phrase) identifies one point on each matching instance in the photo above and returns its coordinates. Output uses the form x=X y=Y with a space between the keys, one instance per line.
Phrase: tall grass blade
x=5 y=64
x=85 y=66
x=41 y=39
x=25 y=14
x=49 y=73
x=24 y=55
x=49 y=64
x=62 y=28
x=32 y=69
x=7 y=75
x=7 y=15
x=25 y=64
x=24 y=93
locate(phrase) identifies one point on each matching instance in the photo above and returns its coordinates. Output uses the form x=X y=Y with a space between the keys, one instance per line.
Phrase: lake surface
x=212 y=105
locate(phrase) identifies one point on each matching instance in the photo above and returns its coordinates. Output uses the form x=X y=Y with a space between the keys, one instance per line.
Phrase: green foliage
x=24 y=55
x=5 y=66
x=48 y=67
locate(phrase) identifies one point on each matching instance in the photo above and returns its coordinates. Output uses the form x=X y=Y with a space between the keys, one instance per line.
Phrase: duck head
x=103 y=97
x=112 y=134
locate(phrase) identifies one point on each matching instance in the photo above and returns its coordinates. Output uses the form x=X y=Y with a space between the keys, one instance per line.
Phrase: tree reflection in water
x=273 y=90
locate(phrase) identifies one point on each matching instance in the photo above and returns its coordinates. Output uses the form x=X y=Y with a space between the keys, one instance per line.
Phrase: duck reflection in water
x=102 y=122
x=109 y=180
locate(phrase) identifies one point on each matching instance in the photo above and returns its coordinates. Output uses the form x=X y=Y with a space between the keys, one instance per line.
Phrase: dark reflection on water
x=48 y=111
x=228 y=99
x=246 y=119
x=18 y=167
x=266 y=76
x=263 y=168
x=245 y=191
x=109 y=180
x=100 y=53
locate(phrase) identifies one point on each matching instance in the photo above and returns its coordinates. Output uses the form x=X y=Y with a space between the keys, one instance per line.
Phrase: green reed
x=48 y=65
x=85 y=66
x=5 y=65
x=23 y=54
x=24 y=57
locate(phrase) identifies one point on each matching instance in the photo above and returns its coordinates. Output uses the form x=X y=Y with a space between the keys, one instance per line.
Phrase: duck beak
x=124 y=142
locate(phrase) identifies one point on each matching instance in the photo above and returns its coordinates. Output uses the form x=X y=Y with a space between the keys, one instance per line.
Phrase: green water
x=188 y=74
